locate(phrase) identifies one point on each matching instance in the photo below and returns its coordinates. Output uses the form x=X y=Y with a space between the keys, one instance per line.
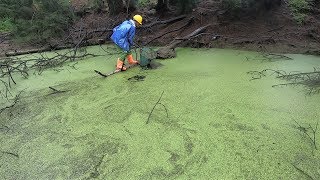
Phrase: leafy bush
x=6 y=25
x=299 y=9
x=143 y=3
x=49 y=19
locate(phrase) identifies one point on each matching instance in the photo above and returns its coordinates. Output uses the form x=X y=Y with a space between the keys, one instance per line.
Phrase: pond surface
x=211 y=122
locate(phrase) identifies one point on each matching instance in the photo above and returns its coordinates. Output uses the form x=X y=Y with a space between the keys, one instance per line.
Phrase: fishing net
x=146 y=55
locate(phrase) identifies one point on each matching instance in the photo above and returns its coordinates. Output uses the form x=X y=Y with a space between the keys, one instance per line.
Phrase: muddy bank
x=274 y=30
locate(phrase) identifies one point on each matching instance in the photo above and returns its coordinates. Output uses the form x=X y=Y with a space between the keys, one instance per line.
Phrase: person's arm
x=132 y=32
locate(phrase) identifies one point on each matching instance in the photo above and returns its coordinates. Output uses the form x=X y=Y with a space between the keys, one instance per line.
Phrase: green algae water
x=212 y=121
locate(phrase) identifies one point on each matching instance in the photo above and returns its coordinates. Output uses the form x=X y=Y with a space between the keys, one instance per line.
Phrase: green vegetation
x=299 y=9
x=143 y=3
x=35 y=21
x=220 y=125
x=6 y=25
x=39 y=20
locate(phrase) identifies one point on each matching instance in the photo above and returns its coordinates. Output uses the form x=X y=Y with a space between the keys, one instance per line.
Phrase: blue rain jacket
x=123 y=35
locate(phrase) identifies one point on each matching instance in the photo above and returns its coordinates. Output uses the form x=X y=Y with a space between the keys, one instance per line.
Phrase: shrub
x=6 y=25
x=299 y=9
x=50 y=20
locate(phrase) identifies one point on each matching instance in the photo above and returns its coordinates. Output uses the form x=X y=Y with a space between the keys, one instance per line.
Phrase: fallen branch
x=213 y=36
x=55 y=91
x=304 y=130
x=310 y=80
x=177 y=29
x=303 y=172
x=16 y=100
x=31 y=51
x=6 y=91
x=259 y=74
x=10 y=153
x=43 y=62
x=271 y=56
x=174 y=43
x=168 y=51
x=158 y=102
x=286 y=84
x=165 y=22
x=289 y=76
x=5 y=127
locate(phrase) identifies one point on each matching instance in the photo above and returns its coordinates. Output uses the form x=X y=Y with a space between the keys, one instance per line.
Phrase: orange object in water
x=120 y=66
x=130 y=59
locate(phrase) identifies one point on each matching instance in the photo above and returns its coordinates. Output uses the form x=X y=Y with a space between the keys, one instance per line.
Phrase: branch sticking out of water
x=10 y=153
x=303 y=172
x=6 y=90
x=15 y=101
x=310 y=80
x=312 y=137
x=158 y=102
x=259 y=74
x=56 y=91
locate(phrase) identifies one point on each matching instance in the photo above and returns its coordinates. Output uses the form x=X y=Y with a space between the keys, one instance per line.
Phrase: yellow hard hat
x=138 y=18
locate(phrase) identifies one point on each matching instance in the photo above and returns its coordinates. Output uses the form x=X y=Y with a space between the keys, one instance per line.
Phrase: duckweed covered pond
x=212 y=121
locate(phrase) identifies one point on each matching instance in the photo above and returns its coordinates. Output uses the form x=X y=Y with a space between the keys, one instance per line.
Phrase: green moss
x=221 y=125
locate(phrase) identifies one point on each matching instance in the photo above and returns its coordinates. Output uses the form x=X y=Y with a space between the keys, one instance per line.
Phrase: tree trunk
x=162 y=5
x=173 y=2
x=115 y=6
x=132 y=4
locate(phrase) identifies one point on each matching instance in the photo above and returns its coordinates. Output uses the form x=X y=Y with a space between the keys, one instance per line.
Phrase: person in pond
x=123 y=36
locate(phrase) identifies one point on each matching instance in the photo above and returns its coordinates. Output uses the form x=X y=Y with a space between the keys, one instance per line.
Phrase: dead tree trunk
x=169 y=52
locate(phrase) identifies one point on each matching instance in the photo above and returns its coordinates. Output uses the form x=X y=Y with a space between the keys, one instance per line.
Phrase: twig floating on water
x=155 y=107
x=305 y=131
x=55 y=91
x=15 y=101
x=10 y=153
x=303 y=172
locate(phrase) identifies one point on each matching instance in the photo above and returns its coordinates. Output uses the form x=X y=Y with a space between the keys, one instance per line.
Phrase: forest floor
x=274 y=30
